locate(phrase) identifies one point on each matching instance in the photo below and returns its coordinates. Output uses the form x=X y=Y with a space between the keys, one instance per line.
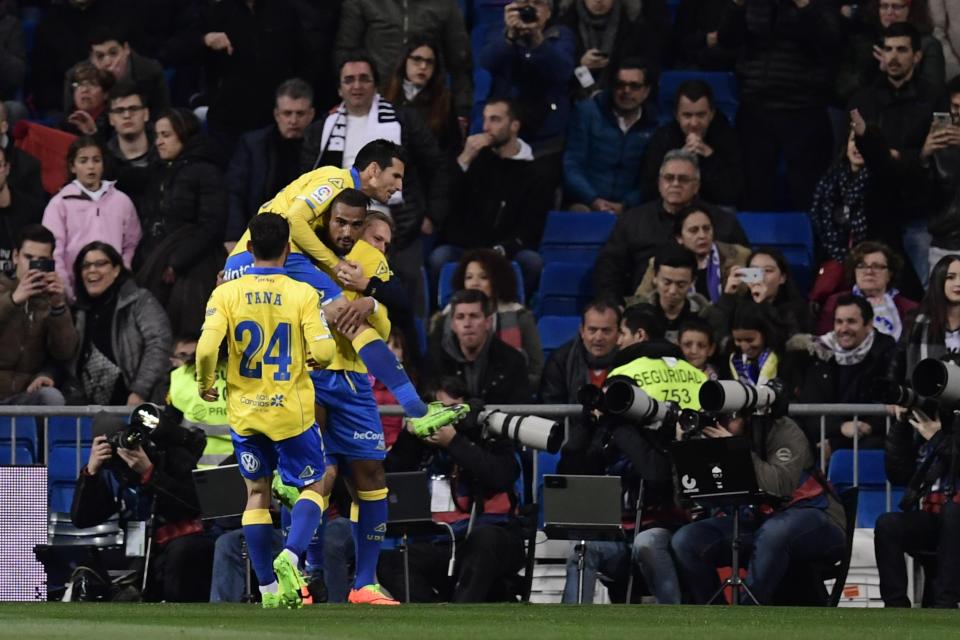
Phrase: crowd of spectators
x=186 y=116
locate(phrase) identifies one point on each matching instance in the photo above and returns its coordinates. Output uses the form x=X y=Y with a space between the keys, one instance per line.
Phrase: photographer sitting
x=808 y=525
x=477 y=474
x=144 y=479
x=622 y=446
x=923 y=455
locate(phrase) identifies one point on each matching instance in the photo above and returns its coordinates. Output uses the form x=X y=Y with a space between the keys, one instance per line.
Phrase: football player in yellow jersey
x=377 y=172
x=272 y=324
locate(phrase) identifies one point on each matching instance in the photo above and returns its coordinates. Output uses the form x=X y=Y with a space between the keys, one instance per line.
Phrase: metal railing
x=545 y=410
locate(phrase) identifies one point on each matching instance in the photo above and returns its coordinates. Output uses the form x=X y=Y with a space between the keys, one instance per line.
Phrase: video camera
x=732 y=396
x=889 y=392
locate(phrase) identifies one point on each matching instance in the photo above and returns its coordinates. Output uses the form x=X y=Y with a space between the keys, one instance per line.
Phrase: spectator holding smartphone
x=36 y=328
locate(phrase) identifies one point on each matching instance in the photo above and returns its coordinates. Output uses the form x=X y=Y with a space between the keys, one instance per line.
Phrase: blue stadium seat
x=63 y=462
x=555 y=331
x=871 y=479
x=565 y=287
x=575 y=237
x=791 y=233
x=546 y=464
x=870 y=468
x=726 y=91
x=26 y=437
x=61 y=496
x=63 y=430
x=421 y=328
x=445 y=285
x=21 y=454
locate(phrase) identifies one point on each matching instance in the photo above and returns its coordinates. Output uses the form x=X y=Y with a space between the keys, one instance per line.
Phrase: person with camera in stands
x=807 y=524
x=36 y=329
x=639 y=455
x=921 y=452
x=477 y=473
x=145 y=475
x=533 y=63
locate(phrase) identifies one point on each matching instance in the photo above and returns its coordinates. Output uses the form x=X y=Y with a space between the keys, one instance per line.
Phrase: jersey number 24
x=277 y=352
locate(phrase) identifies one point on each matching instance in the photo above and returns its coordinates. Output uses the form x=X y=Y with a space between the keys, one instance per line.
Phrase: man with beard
x=503 y=195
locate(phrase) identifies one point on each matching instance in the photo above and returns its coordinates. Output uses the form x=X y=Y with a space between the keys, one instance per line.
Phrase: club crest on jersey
x=277 y=400
x=249 y=462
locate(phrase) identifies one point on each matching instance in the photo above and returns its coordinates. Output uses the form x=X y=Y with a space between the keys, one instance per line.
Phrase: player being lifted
x=272 y=324
x=378 y=173
x=353 y=433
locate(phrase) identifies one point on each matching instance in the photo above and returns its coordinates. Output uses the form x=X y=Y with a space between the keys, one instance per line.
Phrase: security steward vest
x=209 y=416
x=665 y=378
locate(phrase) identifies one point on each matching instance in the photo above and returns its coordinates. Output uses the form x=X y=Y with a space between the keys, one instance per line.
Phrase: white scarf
x=410 y=90
x=381 y=123
x=886 y=316
x=826 y=348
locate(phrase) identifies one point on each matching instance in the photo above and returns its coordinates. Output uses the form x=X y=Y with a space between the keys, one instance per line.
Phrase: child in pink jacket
x=89 y=208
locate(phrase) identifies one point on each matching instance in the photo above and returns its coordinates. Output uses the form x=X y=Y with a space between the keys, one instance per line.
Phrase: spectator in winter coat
x=89 y=208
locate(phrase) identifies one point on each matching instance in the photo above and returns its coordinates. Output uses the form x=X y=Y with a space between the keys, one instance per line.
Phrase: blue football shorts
x=353 y=430
x=299 y=459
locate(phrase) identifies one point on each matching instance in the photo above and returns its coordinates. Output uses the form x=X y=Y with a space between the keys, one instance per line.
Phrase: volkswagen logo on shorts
x=249 y=462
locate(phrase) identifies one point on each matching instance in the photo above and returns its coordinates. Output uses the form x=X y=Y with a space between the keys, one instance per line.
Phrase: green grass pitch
x=79 y=621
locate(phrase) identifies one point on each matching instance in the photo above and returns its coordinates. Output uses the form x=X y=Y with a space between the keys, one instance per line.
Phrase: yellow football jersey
x=302 y=203
x=272 y=323
x=372 y=263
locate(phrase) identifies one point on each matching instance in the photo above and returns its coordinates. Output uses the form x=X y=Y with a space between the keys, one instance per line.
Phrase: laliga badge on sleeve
x=441 y=498
x=136 y=539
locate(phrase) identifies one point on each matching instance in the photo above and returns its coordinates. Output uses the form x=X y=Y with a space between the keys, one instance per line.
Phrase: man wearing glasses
x=641 y=231
x=606 y=142
x=130 y=150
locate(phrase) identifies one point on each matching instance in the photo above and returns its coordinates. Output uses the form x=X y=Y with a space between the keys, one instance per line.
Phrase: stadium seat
x=25 y=435
x=61 y=496
x=569 y=236
x=445 y=285
x=565 y=288
x=791 y=233
x=546 y=464
x=871 y=479
x=63 y=430
x=21 y=454
x=555 y=331
x=64 y=465
x=726 y=91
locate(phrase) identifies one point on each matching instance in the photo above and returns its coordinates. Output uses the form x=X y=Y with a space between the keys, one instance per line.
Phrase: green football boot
x=290 y=580
x=437 y=416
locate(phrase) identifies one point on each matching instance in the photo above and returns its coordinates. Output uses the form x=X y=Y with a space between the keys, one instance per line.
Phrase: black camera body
x=46 y=265
x=693 y=422
x=144 y=419
x=527 y=14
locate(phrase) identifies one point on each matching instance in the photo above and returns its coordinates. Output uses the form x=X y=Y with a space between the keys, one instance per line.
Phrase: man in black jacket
x=364 y=116
x=268 y=159
x=17 y=210
x=478 y=473
x=891 y=119
x=503 y=195
x=154 y=478
x=698 y=128
x=639 y=232
x=922 y=454
x=786 y=80
x=843 y=366
x=489 y=368
x=586 y=359
x=24 y=174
